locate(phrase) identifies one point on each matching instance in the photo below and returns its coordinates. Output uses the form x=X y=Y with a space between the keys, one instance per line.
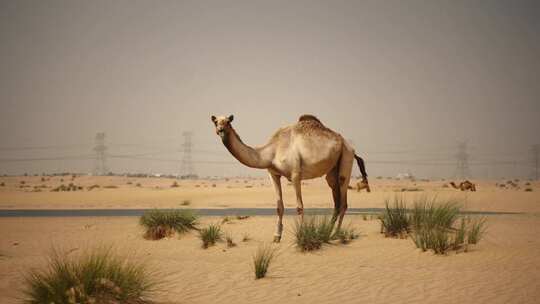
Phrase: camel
x=464 y=186
x=304 y=150
x=362 y=184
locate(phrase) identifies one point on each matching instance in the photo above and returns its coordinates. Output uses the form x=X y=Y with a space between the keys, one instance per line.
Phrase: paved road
x=203 y=212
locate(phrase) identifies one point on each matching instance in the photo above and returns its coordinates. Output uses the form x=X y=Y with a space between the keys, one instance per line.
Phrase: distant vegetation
x=70 y=187
x=93 y=187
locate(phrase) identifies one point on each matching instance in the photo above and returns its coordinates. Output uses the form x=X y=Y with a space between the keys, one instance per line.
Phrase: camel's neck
x=252 y=157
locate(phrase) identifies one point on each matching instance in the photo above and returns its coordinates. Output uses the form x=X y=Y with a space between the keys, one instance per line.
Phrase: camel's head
x=223 y=124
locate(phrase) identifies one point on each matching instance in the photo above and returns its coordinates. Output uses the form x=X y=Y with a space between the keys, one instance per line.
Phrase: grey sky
x=404 y=80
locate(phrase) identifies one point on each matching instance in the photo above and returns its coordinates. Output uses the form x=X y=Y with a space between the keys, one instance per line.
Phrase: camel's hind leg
x=332 y=180
x=344 y=176
x=276 y=180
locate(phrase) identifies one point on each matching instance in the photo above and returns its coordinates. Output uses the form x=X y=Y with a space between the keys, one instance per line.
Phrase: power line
x=462 y=164
x=52 y=147
x=71 y=157
x=535 y=151
x=187 y=169
x=100 y=166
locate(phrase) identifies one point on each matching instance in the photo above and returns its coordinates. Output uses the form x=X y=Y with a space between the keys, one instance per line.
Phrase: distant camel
x=464 y=186
x=362 y=184
x=304 y=150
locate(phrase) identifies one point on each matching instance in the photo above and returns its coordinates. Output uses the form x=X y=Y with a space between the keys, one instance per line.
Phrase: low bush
x=312 y=232
x=162 y=223
x=210 y=235
x=99 y=276
x=432 y=225
x=394 y=220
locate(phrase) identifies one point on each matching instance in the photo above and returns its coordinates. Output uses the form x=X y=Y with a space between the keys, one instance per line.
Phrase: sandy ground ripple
x=503 y=268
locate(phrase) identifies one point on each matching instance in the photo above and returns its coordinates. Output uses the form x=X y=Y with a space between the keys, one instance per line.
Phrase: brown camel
x=464 y=186
x=362 y=184
x=304 y=150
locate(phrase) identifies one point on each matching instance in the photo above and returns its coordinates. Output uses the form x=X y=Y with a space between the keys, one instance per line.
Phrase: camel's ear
x=230 y=118
x=213 y=119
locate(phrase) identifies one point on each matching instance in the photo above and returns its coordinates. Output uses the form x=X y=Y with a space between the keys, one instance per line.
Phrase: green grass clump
x=394 y=220
x=461 y=231
x=210 y=235
x=262 y=259
x=312 y=232
x=162 y=223
x=476 y=230
x=346 y=235
x=99 y=276
x=432 y=225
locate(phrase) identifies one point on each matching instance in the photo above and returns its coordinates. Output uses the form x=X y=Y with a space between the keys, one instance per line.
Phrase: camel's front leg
x=297 y=183
x=276 y=180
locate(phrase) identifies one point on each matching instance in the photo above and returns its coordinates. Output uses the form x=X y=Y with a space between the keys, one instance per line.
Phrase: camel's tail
x=362 y=167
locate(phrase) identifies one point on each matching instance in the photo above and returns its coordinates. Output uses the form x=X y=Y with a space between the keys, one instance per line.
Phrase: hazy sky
x=403 y=80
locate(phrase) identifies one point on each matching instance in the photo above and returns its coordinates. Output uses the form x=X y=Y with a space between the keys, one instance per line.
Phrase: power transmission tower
x=100 y=167
x=462 y=157
x=187 y=171
x=535 y=151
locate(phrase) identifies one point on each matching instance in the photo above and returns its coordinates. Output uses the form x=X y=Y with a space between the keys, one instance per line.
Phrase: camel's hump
x=306 y=117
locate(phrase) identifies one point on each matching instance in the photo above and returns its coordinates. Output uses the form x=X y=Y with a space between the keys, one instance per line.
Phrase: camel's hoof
x=277 y=238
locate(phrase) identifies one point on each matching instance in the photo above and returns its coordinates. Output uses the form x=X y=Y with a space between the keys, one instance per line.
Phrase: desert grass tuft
x=162 y=223
x=313 y=231
x=210 y=235
x=98 y=276
x=476 y=230
x=460 y=234
x=394 y=220
x=262 y=259
x=230 y=240
x=346 y=235
x=433 y=225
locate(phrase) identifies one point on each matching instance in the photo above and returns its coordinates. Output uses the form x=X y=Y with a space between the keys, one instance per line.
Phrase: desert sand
x=503 y=268
x=245 y=193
